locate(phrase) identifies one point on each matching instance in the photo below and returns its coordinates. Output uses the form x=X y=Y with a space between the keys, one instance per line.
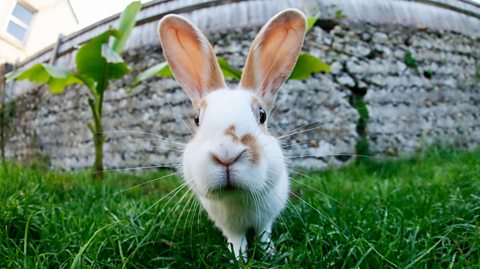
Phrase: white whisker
x=146 y=182
x=187 y=219
x=339 y=155
x=171 y=210
x=312 y=188
x=269 y=117
x=174 y=191
x=320 y=213
x=301 y=131
x=172 y=149
x=181 y=213
x=184 y=113
x=146 y=133
x=170 y=165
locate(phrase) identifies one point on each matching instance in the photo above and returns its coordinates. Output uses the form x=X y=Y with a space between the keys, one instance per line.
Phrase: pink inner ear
x=278 y=56
x=274 y=52
x=190 y=57
x=186 y=55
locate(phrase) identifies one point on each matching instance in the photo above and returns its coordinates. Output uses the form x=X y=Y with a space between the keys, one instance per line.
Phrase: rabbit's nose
x=227 y=160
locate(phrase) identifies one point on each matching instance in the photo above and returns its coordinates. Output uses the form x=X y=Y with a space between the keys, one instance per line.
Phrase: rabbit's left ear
x=190 y=57
x=273 y=54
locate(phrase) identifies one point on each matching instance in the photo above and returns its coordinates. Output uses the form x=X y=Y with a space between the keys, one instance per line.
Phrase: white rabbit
x=236 y=169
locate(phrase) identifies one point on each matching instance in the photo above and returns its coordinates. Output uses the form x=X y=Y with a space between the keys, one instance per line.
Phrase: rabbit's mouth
x=228 y=182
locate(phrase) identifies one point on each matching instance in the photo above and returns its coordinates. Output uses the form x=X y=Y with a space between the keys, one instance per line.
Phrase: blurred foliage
x=228 y=71
x=306 y=66
x=362 y=146
x=410 y=61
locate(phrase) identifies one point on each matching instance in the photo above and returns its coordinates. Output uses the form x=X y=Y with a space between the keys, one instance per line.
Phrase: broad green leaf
x=13 y=74
x=306 y=65
x=110 y=55
x=161 y=69
x=125 y=25
x=165 y=71
x=87 y=81
x=311 y=22
x=97 y=61
x=89 y=55
x=228 y=71
x=56 y=78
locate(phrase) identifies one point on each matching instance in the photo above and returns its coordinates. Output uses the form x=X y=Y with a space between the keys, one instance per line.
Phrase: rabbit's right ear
x=190 y=57
x=273 y=54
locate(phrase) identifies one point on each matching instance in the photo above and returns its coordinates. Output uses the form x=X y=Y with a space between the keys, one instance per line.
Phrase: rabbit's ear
x=273 y=54
x=190 y=57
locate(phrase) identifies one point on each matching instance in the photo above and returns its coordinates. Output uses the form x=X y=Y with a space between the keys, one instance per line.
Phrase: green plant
x=362 y=147
x=409 y=60
x=98 y=61
x=337 y=12
x=311 y=21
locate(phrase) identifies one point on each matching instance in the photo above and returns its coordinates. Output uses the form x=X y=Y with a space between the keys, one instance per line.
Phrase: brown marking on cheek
x=250 y=141
x=230 y=131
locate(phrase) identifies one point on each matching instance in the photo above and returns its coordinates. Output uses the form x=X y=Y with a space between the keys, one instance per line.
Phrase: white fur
x=256 y=204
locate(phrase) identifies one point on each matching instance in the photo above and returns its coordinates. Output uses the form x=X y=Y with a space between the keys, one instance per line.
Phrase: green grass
x=421 y=212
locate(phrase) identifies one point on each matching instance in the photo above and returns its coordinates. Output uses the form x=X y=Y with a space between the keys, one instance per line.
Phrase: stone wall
x=409 y=108
x=436 y=102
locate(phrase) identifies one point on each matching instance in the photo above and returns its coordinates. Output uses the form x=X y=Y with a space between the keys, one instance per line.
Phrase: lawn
x=420 y=212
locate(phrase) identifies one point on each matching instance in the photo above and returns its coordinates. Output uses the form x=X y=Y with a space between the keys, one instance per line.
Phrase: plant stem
x=98 y=136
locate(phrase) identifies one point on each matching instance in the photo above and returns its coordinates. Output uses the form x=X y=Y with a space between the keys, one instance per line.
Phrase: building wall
x=51 y=18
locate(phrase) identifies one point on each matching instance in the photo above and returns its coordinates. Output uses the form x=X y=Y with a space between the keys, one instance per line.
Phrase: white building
x=26 y=26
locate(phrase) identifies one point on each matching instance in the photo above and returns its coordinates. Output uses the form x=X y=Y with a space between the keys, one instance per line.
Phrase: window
x=19 y=22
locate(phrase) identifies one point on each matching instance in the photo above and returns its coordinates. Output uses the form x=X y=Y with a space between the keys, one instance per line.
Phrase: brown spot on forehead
x=230 y=131
x=251 y=143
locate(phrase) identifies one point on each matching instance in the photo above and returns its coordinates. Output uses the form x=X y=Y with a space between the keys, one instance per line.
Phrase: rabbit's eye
x=262 y=115
x=196 y=118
